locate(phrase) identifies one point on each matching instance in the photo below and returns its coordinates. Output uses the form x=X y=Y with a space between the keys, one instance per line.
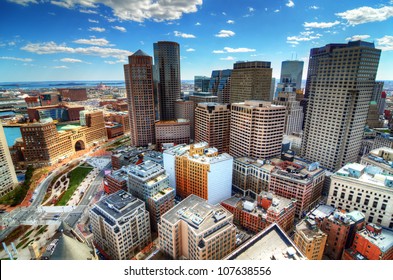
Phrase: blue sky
x=43 y=40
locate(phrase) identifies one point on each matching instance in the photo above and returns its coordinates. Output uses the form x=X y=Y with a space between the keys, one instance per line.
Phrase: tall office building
x=184 y=109
x=379 y=96
x=167 y=63
x=292 y=72
x=220 y=85
x=197 y=230
x=340 y=92
x=212 y=125
x=294 y=116
x=251 y=81
x=7 y=172
x=138 y=75
x=201 y=83
x=257 y=129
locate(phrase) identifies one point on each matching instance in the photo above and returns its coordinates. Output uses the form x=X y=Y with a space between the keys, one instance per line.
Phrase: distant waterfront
x=59 y=84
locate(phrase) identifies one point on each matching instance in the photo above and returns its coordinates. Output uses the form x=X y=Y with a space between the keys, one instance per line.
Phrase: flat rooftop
x=384 y=240
x=197 y=213
x=117 y=205
x=270 y=244
x=145 y=170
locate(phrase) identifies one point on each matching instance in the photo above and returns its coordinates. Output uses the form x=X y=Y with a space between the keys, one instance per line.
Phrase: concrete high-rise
x=201 y=83
x=7 y=172
x=292 y=72
x=184 y=109
x=251 y=81
x=339 y=93
x=167 y=63
x=139 y=85
x=257 y=129
x=294 y=116
x=212 y=125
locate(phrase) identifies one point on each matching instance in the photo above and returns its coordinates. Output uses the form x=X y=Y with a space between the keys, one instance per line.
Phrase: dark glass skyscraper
x=167 y=63
x=292 y=72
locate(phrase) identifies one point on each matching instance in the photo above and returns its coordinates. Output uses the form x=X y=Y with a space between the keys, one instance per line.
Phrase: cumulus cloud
x=228 y=58
x=134 y=10
x=93 y=21
x=190 y=50
x=71 y=60
x=320 y=24
x=16 y=58
x=230 y=21
x=115 y=62
x=60 y=67
x=366 y=14
x=93 y=41
x=23 y=2
x=290 y=4
x=233 y=50
x=97 y=29
x=277 y=11
x=385 y=43
x=198 y=23
x=251 y=9
x=313 y=7
x=87 y=11
x=120 y=28
x=225 y=34
x=357 y=37
x=52 y=47
x=304 y=36
x=183 y=35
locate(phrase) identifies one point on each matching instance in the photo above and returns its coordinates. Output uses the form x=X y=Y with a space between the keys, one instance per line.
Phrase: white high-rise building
x=7 y=172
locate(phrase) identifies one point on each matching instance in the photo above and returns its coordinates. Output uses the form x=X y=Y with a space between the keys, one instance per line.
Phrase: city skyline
x=101 y=35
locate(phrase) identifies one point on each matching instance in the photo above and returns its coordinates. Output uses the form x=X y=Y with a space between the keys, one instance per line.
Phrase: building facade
x=257 y=129
x=171 y=133
x=310 y=239
x=197 y=230
x=7 y=172
x=167 y=63
x=338 y=102
x=120 y=225
x=212 y=123
x=251 y=81
x=292 y=72
x=138 y=75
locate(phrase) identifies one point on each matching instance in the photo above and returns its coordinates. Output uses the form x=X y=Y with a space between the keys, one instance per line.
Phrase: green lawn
x=17 y=195
x=76 y=177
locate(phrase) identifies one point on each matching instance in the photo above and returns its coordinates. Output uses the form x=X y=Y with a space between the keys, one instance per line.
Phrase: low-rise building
x=120 y=225
x=381 y=157
x=371 y=243
x=310 y=239
x=197 y=230
x=172 y=133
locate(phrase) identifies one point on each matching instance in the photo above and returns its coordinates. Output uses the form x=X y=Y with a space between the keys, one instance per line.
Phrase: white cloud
x=228 y=58
x=293 y=42
x=71 y=60
x=61 y=67
x=320 y=24
x=190 y=50
x=93 y=41
x=97 y=29
x=225 y=34
x=120 y=28
x=134 y=10
x=313 y=7
x=198 y=23
x=277 y=11
x=93 y=21
x=357 y=37
x=304 y=36
x=251 y=9
x=290 y=4
x=52 y=47
x=230 y=21
x=16 y=58
x=218 y=51
x=84 y=11
x=123 y=61
x=224 y=13
x=183 y=35
x=238 y=50
x=385 y=43
x=24 y=2
x=366 y=14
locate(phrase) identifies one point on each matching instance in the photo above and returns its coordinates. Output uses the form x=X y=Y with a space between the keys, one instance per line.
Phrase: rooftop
x=145 y=171
x=162 y=193
x=383 y=240
x=197 y=213
x=270 y=244
x=117 y=206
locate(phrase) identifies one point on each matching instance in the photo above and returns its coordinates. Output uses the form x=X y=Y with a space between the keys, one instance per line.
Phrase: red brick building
x=371 y=243
x=73 y=94
x=115 y=181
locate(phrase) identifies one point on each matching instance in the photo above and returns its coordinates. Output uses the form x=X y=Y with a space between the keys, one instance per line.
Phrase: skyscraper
x=251 y=81
x=201 y=83
x=257 y=129
x=340 y=90
x=220 y=85
x=292 y=72
x=167 y=63
x=139 y=85
x=7 y=173
x=212 y=125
